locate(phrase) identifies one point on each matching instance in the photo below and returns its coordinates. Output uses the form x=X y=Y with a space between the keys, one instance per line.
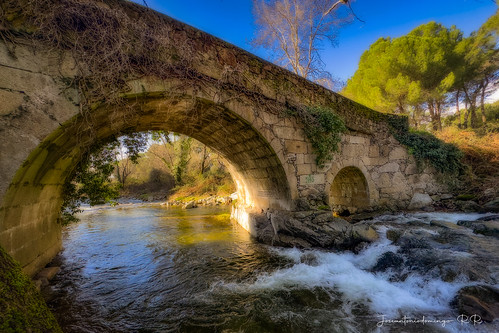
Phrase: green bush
x=323 y=128
x=444 y=157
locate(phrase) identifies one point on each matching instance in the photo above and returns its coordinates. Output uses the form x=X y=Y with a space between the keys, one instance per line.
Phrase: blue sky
x=232 y=21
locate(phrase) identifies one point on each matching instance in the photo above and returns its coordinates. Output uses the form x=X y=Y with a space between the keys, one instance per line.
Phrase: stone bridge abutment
x=231 y=101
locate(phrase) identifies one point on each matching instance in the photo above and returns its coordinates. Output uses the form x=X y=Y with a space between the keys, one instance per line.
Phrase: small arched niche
x=349 y=192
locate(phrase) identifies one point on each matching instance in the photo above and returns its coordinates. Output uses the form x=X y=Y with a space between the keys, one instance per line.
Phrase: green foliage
x=90 y=182
x=22 y=307
x=323 y=128
x=444 y=157
x=418 y=72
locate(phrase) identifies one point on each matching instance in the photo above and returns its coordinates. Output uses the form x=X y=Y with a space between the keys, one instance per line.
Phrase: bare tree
x=295 y=31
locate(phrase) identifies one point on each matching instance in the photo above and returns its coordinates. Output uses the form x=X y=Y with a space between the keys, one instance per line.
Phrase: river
x=145 y=268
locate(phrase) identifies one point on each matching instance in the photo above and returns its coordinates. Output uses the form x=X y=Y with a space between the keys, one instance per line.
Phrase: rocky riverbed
x=447 y=246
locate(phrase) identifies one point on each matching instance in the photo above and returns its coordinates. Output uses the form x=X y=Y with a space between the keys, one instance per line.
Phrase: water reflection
x=149 y=269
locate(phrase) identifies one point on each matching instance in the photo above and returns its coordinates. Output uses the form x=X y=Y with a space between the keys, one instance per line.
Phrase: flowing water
x=151 y=269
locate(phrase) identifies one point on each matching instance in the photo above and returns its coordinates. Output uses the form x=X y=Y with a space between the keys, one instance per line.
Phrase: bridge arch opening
x=349 y=191
x=32 y=203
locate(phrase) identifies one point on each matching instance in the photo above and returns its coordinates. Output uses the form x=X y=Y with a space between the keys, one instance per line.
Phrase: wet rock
x=363 y=217
x=302 y=204
x=322 y=230
x=490 y=228
x=303 y=215
x=48 y=273
x=326 y=218
x=420 y=200
x=408 y=242
x=467 y=206
x=290 y=241
x=487 y=227
x=393 y=234
x=365 y=233
x=416 y=223
x=445 y=224
x=189 y=205
x=489 y=218
x=478 y=300
x=465 y=223
x=388 y=260
x=491 y=206
x=309 y=259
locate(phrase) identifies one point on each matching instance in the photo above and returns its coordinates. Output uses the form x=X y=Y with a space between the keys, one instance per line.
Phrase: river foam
x=351 y=275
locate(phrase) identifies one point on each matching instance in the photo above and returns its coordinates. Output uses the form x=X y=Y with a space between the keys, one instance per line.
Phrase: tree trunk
x=434 y=121
x=482 y=100
x=458 y=111
x=438 y=112
x=203 y=161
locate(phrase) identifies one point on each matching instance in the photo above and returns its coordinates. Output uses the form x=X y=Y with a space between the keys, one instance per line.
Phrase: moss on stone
x=22 y=308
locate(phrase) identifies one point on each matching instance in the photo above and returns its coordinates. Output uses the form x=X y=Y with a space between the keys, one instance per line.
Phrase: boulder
x=445 y=224
x=305 y=230
x=492 y=206
x=364 y=233
x=489 y=218
x=302 y=204
x=48 y=273
x=189 y=205
x=478 y=300
x=419 y=201
x=388 y=260
x=468 y=206
x=484 y=226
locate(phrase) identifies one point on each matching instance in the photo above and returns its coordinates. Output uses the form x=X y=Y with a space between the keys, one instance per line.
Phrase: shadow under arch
x=34 y=198
x=349 y=191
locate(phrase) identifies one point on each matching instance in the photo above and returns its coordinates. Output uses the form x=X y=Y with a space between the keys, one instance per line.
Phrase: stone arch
x=349 y=192
x=32 y=202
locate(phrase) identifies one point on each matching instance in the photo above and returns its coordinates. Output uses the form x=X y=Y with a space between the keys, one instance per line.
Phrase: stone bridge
x=225 y=97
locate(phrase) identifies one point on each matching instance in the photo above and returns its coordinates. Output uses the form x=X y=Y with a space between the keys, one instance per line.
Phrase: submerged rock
x=388 y=260
x=478 y=300
x=488 y=226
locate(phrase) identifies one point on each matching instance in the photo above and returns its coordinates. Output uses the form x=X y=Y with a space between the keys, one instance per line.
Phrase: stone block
x=398 y=153
x=384 y=180
x=10 y=101
x=389 y=167
x=312 y=179
x=309 y=158
x=304 y=169
x=295 y=146
x=269 y=118
x=48 y=273
x=378 y=160
x=357 y=140
x=288 y=133
x=373 y=151
x=300 y=159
